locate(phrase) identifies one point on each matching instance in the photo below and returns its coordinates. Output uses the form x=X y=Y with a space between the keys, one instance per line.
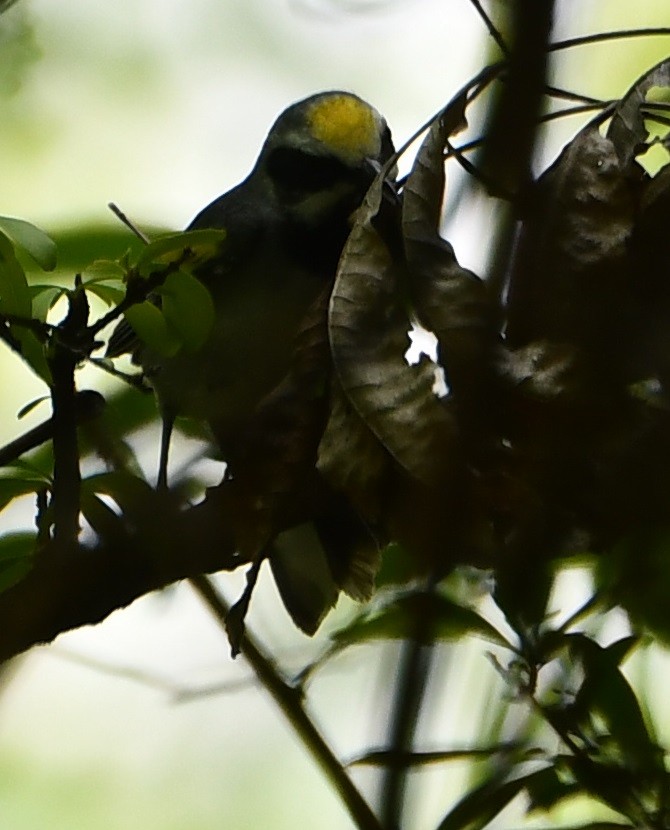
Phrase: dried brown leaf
x=571 y=277
x=351 y=458
x=368 y=328
x=449 y=300
x=627 y=130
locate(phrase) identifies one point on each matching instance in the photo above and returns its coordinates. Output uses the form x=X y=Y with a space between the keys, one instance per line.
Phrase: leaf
x=549 y=787
x=103 y=270
x=570 y=282
x=351 y=457
x=189 y=249
x=25 y=410
x=14 y=292
x=542 y=369
x=627 y=130
x=40 y=247
x=368 y=330
x=16 y=557
x=441 y=618
x=635 y=573
x=101 y=517
x=79 y=246
x=12 y=488
x=476 y=809
x=127 y=490
x=188 y=309
x=109 y=294
x=32 y=351
x=449 y=300
x=15 y=300
x=606 y=691
x=150 y=325
x=388 y=757
x=44 y=298
x=308 y=593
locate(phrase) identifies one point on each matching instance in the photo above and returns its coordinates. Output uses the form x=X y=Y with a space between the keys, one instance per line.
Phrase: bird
x=285 y=227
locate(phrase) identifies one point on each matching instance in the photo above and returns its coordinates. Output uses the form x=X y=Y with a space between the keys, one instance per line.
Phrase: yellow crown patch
x=347 y=125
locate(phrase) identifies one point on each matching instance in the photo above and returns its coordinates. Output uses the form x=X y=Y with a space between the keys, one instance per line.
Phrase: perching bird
x=286 y=225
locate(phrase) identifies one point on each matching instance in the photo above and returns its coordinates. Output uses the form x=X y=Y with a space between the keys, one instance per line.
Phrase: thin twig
x=493 y=32
x=289 y=700
x=116 y=210
x=601 y=37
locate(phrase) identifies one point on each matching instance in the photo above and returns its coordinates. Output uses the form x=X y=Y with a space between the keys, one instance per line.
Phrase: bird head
x=322 y=154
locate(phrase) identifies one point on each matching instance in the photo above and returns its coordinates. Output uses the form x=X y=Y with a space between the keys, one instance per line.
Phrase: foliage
x=551 y=441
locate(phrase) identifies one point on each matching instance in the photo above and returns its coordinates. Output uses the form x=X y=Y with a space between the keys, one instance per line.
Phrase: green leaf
x=14 y=293
x=16 y=557
x=606 y=692
x=34 y=241
x=45 y=298
x=635 y=573
x=190 y=249
x=549 y=787
x=109 y=294
x=100 y=516
x=30 y=406
x=482 y=805
x=13 y=488
x=388 y=757
x=79 y=246
x=150 y=325
x=103 y=270
x=32 y=351
x=127 y=490
x=419 y=614
x=188 y=309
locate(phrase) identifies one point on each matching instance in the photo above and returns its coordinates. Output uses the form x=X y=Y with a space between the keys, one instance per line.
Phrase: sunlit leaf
x=188 y=249
x=149 y=323
x=34 y=241
x=109 y=294
x=12 y=488
x=103 y=270
x=44 y=299
x=188 y=309
x=436 y=616
x=32 y=351
x=14 y=292
x=606 y=691
x=482 y=805
x=550 y=787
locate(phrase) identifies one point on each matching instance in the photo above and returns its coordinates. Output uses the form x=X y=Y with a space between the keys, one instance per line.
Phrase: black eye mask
x=297 y=172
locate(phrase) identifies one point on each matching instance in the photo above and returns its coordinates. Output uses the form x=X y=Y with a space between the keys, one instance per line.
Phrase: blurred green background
x=160 y=105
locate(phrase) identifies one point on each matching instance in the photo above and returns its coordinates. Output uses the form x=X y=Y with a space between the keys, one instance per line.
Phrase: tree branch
x=72 y=585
